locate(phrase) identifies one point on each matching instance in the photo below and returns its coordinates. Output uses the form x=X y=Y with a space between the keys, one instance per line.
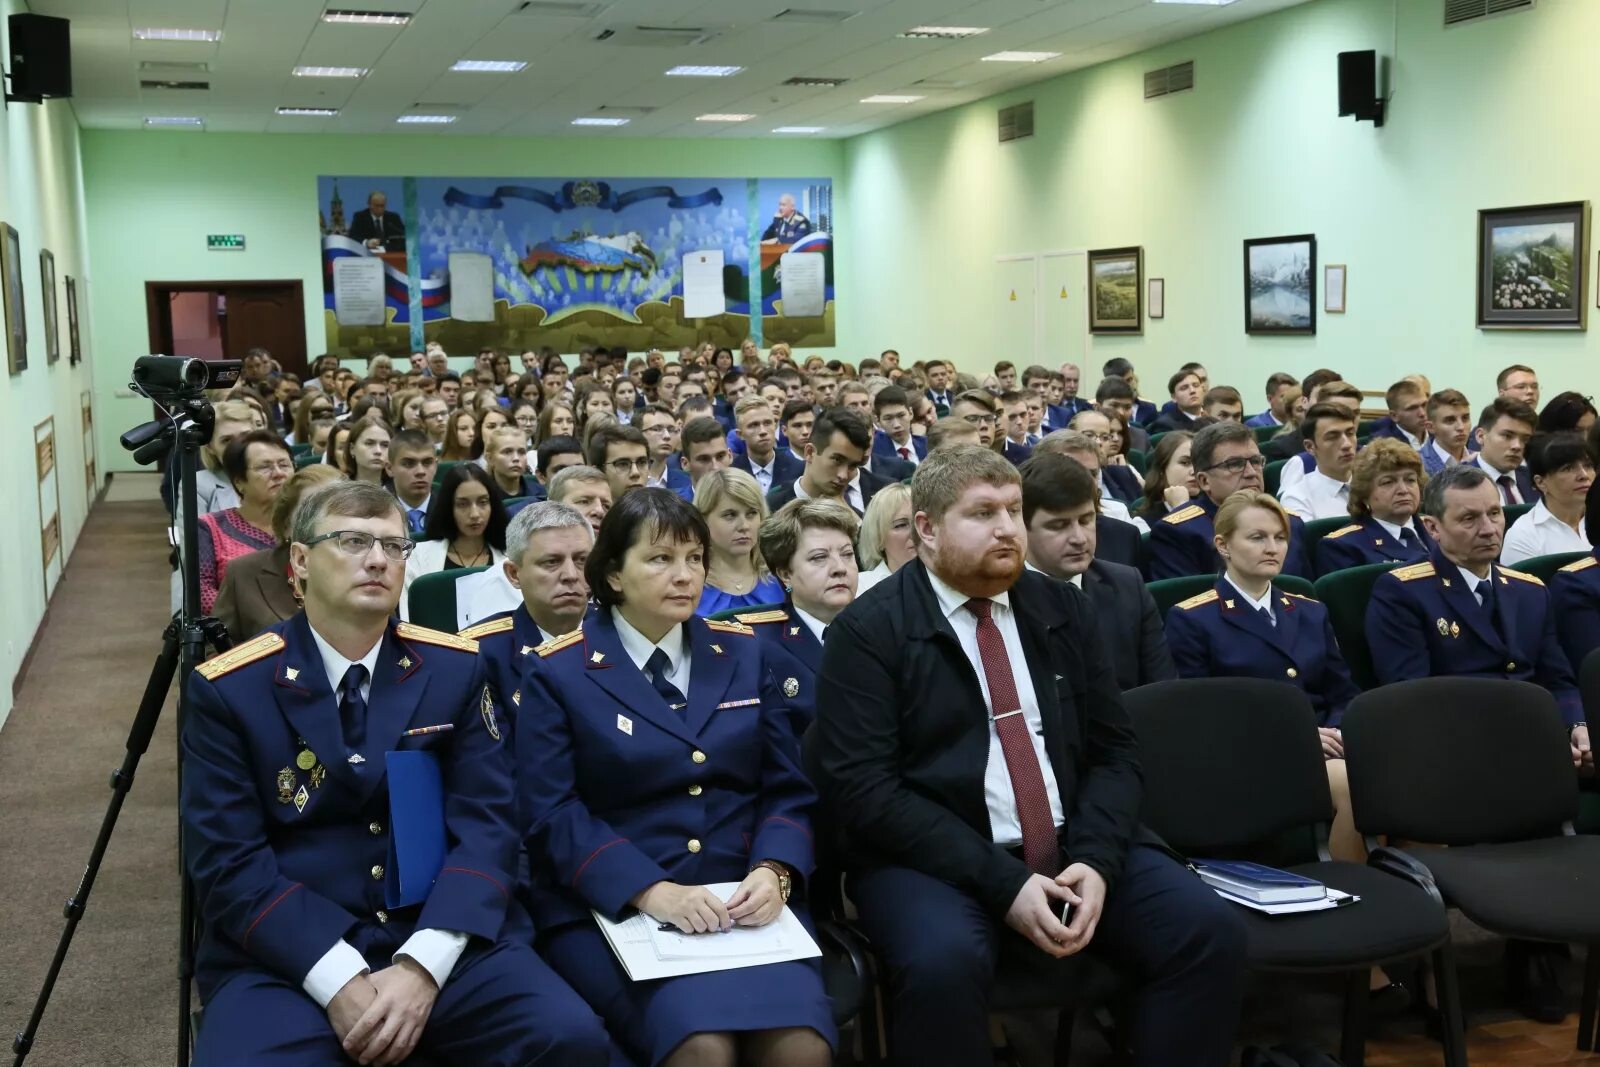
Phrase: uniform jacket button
x=694 y=844
x=377 y=871
x=698 y=756
x=694 y=790
x=374 y=828
x=383 y=916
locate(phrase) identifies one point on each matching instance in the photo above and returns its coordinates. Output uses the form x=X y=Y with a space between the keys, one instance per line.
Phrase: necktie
x=353 y=707
x=1406 y=537
x=905 y=453
x=1508 y=489
x=1039 y=849
x=658 y=665
x=1266 y=614
x=1485 y=591
x=414 y=517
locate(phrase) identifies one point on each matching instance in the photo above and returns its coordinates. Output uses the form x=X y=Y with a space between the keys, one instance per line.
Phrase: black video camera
x=170 y=377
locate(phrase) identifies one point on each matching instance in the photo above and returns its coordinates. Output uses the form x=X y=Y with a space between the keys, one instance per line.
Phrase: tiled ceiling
x=571 y=73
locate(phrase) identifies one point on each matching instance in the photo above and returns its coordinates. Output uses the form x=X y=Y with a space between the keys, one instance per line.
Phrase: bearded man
x=973 y=749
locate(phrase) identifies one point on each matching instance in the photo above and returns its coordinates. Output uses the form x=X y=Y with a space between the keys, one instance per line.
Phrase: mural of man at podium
x=788 y=225
x=381 y=230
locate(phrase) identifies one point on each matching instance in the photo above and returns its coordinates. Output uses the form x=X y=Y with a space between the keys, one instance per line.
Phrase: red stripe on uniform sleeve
x=488 y=878
x=791 y=822
x=592 y=855
x=267 y=912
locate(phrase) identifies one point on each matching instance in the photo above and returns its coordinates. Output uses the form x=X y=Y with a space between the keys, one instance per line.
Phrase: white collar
x=1494 y=472
x=334 y=663
x=639 y=648
x=1334 y=486
x=767 y=466
x=1076 y=579
x=1264 y=604
x=1414 y=442
x=1541 y=514
x=814 y=624
x=1471 y=579
x=1394 y=531
x=952 y=600
x=1433 y=443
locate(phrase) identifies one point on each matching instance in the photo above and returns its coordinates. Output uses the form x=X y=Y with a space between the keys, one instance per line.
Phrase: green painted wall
x=41 y=195
x=154 y=196
x=1493 y=114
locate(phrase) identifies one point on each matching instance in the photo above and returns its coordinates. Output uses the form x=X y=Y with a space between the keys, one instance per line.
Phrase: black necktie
x=1486 y=593
x=1508 y=488
x=353 y=707
x=1405 y=536
x=658 y=665
x=1266 y=613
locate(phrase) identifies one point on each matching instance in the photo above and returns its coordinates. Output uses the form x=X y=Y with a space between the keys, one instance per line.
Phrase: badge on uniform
x=516 y=698
x=319 y=774
x=1444 y=627
x=791 y=687
x=285 y=785
x=306 y=759
x=625 y=724
x=487 y=708
x=301 y=798
x=1455 y=629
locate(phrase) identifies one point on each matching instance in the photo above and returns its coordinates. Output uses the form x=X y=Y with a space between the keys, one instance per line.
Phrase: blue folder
x=416 y=827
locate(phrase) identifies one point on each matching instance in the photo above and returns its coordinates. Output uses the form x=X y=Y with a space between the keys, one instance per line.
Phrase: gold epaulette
x=1341 y=531
x=556 y=644
x=1415 y=571
x=1197 y=601
x=239 y=655
x=412 y=632
x=1529 y=578
x=1297 y=596
x=730 y=627
x=1185 y=514
x=1579 y=565
x=484 y=629
x=754 y=617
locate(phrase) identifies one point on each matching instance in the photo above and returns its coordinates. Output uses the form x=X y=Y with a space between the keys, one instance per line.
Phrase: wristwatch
x=784 y=882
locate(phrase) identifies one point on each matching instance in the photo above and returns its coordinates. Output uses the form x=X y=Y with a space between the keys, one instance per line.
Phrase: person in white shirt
x=1329 y=434
x=888 y=537
x=1563 y=472
x=1084 y=449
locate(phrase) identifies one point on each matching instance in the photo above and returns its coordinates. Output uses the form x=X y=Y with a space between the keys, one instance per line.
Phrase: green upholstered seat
x=1273 y=475
x=1169 y=592
x=1346 y=593
x=1542 y=567
x=432 y=598
x=1138 y=460
x=1317 y=529
x=444 y=468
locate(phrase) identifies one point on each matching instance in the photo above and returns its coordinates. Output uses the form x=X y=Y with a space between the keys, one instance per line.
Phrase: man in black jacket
x=1060 y=505
x=377 y=227
x=973 y=749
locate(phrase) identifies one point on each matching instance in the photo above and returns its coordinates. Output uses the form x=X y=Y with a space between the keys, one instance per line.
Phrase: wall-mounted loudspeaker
x=41 y=58
x=1358 y=87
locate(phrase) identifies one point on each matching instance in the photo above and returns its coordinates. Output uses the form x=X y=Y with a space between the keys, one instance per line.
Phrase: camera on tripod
x=165 y=377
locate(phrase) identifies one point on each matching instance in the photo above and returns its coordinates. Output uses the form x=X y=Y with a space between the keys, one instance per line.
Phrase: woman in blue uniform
x=810 y=545
x=1385 y=493
x=654 y=757
x=1244 y=628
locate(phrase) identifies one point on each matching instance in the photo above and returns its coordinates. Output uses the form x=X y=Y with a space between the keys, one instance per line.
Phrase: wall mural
x=518 y=263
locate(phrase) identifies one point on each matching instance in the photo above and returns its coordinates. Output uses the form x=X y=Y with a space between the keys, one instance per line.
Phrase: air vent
x=154 y=84
x=938 y=83
x=817 y=83
x=1458 y=11
x=1016 y=122
x=152 y=67
x=618 y=110
x=656 y=36
x=1177 y=78
x=558 y=9
x=805 y=16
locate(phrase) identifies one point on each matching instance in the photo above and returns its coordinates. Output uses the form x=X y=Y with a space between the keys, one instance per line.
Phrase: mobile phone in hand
x=1066 y=912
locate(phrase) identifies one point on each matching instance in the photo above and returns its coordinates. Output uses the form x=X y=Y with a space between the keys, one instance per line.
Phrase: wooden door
x=268 y=315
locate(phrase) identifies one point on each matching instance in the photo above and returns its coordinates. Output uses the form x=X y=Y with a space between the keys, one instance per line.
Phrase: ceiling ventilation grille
x=817 y=83
x=656 y=36
x=148 y=83
x=557 y=9
x=626 y=109
x=798 y=15
x=1016 y=122
x=1458 y=11
x=1178 y=78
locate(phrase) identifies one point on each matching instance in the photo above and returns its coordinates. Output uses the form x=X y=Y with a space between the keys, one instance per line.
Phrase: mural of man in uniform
x=788 y=225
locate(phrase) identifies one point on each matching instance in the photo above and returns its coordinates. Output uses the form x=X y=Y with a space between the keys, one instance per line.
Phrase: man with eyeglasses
x=979 y=410
x=660 y=427
x=315 y=946
x=624 y=454
x=436 y=420
x=1226 y=459
x=1117 y=480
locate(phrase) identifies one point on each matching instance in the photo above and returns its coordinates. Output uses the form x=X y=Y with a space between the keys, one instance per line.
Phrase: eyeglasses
x=979 y=420
x=283 y=465
x=1237 y=464
x=662 y=428
x=431 y=415
x=1097 y=437
x=625 y=466
x=356 y=543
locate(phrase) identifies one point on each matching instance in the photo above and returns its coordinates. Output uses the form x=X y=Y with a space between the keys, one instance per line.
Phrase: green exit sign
x=225 y=242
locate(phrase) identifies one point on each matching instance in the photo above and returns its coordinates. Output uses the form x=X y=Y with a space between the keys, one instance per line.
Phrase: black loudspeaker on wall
x=41 y=58
x=1358 y=86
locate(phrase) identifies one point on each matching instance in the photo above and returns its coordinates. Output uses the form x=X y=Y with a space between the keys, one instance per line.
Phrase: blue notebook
x=416 y=827
x=1263 y=885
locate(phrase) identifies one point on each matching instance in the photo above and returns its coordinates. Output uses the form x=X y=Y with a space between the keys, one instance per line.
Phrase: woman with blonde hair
x=736 y=575
x=888 y=536
x=407 y=410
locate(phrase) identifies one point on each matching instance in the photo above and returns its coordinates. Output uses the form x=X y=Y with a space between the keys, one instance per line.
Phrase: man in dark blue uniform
x=788 y=225
x=317 y=944
x=1226 y=459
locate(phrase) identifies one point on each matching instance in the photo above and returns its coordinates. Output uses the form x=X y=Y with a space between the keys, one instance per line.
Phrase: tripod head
x=177 y=384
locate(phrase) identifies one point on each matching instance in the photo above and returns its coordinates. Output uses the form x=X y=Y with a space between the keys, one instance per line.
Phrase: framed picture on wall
x=74 y=345
x=11 y=297
x=1531 y=263
x=1280 y=285
x=1158 y=298
x=1116 y=287
x=52 y=322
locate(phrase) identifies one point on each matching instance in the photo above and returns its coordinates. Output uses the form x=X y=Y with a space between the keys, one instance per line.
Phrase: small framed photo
x=1116 y=286
x=1280 y=285
x=1157 y=300
x=11 y=298
x=52 y=321
x=1531 y=264
x=1333 y=279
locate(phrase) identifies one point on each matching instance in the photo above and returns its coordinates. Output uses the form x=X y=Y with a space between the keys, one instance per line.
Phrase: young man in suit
x=1504 y=429
x=1117 y=480
x=1188 y=391
x=1014 y=427
x=762 y=458
x=1060 y=504
x=1277 y=413
x=893 y=437
x=964 y=835
x=1449 y=431
x=1142 y=412
x=834 y=455
x=939 y=374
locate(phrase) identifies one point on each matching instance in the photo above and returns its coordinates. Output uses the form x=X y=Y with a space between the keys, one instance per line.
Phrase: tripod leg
x=144 y=725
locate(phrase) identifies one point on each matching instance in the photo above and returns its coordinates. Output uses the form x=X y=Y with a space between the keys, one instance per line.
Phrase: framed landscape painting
x=52 y=322
x=1116 y=288
x=11 y=298
x=1280 y=285
x=1531 y=263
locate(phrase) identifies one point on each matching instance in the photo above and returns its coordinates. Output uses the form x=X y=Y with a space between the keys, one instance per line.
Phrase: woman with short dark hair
x=656 y=771
x=1563 y=472
x=257 y=464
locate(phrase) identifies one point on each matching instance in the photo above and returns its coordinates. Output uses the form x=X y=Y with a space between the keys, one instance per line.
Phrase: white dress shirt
x=867 y=579
x=998 y=795
x=638 y=647
x=481 y=595
x=1414 y=442
x=852 y=493
x=814 y=624
x=909 y=453
x=1539 y=533
x=436 y=951
x=1394 y=531
x=1444 y=457
x=1510 y=495
x=1112 y=508
x=1316 y=496
x=763 y=475
x=1263 y=603
x=1473 y=581
x=1292 y=471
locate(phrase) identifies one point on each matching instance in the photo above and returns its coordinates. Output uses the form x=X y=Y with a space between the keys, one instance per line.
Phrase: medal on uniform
x=285 y=785
x=306 y=759
x=1444 y=628
x=487 y=707
x=319 y=773
x=301 y=797
x=791 y=686
x=1455 y=629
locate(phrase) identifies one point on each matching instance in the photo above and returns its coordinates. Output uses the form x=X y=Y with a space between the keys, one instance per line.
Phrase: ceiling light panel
x=588 y=121
x=1021 y=57
x=723 y=117
x=799 y=129
x=366 y=18
x=490 y=66
x=944 y=33
x=321 y=112
x=692 y=71
x=177 y=35
x=181 y=122
x=330 y=72
x=1196 y=3
x=426 y=120
x=891 y=98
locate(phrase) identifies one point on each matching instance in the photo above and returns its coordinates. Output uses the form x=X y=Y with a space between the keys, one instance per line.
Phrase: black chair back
x=1458 y=761
x=1589 y=685
x=1229 y=763
x=825 y=889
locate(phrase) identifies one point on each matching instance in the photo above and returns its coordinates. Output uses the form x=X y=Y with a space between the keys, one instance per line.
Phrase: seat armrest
x=1403 y=865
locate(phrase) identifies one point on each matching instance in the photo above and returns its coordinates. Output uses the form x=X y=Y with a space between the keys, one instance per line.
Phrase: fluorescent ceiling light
x=186 y=122
x=723 y=117
x=177 y=35
x=945 y=32
x=799 y=129
x=330 y=72
x=1021 y=57
x=599 y=122
x=890 y=98
x=427 y=120
x=367 y=18
x=1198 y=3
x=692 y=71
x=490 y=66
x=323 y=111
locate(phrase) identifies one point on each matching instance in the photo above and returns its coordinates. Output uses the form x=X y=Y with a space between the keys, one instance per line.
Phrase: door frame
x=155 y=294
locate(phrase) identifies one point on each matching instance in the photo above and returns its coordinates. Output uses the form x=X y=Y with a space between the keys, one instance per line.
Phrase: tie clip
x=1004 y=715
x=419 y=731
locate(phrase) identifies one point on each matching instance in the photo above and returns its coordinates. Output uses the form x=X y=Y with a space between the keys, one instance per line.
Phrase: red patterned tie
x=905 y=453
x=1039 y=849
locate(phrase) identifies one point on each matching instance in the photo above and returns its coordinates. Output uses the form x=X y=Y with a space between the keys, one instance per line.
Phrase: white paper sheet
x=471 y=287
x=1335 y=899
x=646 y=952
x=804 y=280
x=358 y=291
x=702 y=284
